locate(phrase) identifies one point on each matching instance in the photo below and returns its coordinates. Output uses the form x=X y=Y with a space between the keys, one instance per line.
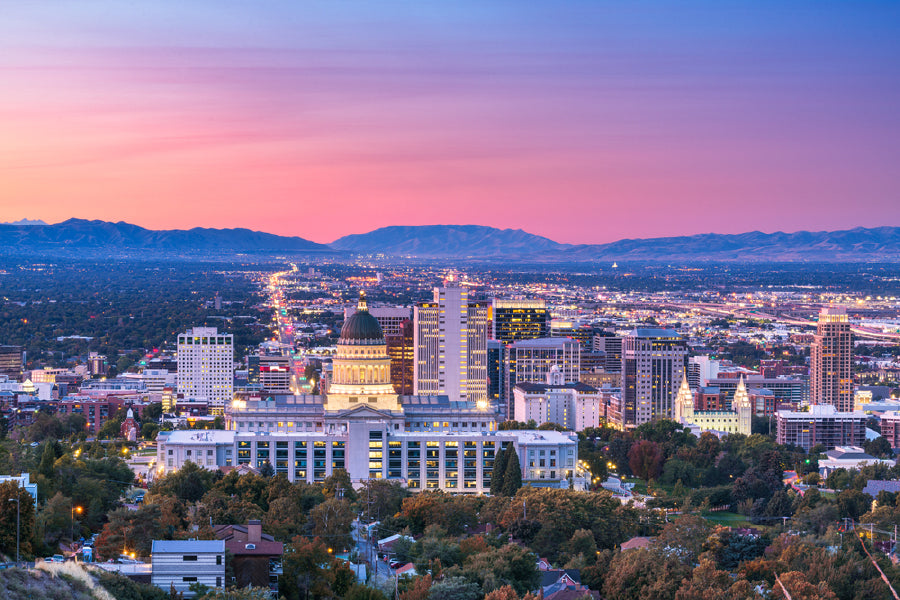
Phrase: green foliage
x=455 y=588
x=189 y=483
x=10 y=510
x=123 y=588
x=497 y=475
x=512 y=473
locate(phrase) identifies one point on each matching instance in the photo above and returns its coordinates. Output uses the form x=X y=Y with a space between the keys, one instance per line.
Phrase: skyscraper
x=529 y=361
x=401 y=350
x=450 y=340
x=515 y=320
x=831 y=355
x=653 y=363
x=206 y=367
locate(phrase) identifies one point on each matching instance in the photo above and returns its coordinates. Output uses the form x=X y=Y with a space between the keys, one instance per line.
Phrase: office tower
x=701 y=370
x=564 y=328
x=206 y=366
x=653 y=363
x=450 y=339
x=401 y=350
x=831 y=356
x=495 y=353
x=11 y=361
x=391 y=318
x=612 y=346
x=514 y=320
x=529 y=361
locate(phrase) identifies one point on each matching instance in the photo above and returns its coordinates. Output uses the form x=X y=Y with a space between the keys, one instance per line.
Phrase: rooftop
x=187 y=546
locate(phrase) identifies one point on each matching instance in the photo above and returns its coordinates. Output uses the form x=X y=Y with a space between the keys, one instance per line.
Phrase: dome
x=361 y=328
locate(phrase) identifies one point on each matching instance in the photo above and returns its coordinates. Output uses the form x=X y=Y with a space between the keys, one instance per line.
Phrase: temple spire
x=362 y=302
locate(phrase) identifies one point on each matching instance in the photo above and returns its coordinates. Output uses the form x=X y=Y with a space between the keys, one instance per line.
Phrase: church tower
x=361 y=368
x=684 y=402
x=741 y=405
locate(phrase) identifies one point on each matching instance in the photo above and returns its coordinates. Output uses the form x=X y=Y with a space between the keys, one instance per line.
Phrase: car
x=396 y=564
x=56 y=558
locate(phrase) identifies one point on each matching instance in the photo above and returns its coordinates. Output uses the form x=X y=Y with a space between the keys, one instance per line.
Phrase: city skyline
x=657 y=120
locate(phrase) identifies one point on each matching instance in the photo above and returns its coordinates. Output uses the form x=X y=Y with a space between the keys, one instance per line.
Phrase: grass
x=731 y=519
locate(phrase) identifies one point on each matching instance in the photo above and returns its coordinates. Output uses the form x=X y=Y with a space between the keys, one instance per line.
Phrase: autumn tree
x=644 y=574
x=645 y=460
x=332 y=521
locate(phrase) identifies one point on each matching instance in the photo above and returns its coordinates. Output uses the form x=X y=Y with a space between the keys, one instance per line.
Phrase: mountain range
x=81 y=234
x=471 y=242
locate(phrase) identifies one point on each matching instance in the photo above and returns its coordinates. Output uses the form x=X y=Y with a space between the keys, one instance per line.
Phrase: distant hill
x=460 y=241
x=471 y=241
x=80 y=234
x=25 y=222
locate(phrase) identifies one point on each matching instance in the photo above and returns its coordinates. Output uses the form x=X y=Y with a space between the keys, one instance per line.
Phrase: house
x=555 y=580
x=257 y=556
x=179 y=563
x=636 y=542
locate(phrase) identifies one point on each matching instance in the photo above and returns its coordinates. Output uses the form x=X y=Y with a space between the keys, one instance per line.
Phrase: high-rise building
x=206 y=367
x=495 y=353
x=653 y=363
x=822 y=424
x=831 y=357
x=700 y=370
x=612 y=346
x=11 y=361
x=515 y=320
x=529 y=361
x=450 y=339
x=401 y=350
x=391 y=318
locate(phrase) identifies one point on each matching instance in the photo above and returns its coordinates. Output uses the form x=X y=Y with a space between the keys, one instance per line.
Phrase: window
x=189 y=558
x=188 y=579
x=218 y=559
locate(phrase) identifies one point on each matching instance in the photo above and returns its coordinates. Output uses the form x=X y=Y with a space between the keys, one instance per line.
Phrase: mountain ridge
x=469 y=242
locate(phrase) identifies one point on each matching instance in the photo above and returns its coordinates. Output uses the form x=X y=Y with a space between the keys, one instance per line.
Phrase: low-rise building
x=177 y=564
x=823 y=424
x=848 y=457
x=576 y=406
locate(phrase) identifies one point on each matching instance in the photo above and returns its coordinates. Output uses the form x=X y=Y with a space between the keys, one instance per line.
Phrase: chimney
x=254 y=531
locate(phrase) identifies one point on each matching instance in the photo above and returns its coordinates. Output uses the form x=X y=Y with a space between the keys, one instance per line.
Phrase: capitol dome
x=361 y=328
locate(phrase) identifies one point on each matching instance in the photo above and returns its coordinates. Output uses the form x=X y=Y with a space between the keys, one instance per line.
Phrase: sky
x=583 y=121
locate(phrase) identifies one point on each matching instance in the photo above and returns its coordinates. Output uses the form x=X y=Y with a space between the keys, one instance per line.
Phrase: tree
x=509 y=565
x=497 y=475
x=800 y=588
x=644 y=574
x=332 y=521
x=306 y=562
x=233 y=593
x=645 y=459
x=130 y=531
x=879 y=447
x=455 y=588
x=364 y=592
x=512 y=474
x=853 y=503
x=54 y=520
x=339 y=485
x=189 y=483
x=9 y=492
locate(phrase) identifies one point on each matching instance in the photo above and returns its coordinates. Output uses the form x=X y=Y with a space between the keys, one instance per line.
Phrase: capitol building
x=364 y=428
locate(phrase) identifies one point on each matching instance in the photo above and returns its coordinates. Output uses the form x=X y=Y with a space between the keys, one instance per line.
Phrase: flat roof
x=187 y=546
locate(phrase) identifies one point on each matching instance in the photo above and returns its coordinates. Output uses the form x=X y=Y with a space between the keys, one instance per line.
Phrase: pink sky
x=586 y=124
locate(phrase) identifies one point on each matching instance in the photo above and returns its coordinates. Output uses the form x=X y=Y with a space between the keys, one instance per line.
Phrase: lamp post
x=75 y=509
x=18 y=512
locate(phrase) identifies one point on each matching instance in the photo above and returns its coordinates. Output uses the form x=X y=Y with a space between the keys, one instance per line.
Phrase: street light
x=79 y=510
x=18 y=511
